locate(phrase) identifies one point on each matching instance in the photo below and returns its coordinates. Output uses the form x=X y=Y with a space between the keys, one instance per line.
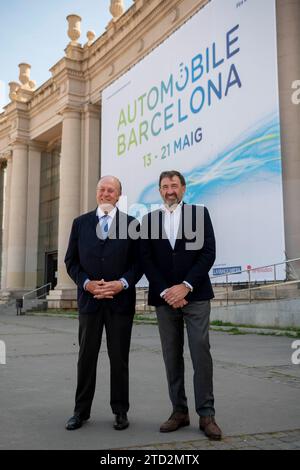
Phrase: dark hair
x=171 y=174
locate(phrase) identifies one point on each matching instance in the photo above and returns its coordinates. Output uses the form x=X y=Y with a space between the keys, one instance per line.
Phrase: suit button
x=102 y=259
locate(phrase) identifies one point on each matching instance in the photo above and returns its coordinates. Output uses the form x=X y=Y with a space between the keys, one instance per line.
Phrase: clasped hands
x=175 y=295
x=104 y=289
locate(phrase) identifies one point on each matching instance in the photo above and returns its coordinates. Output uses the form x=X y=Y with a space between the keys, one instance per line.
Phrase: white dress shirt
x=172 y=220
x=171 y=225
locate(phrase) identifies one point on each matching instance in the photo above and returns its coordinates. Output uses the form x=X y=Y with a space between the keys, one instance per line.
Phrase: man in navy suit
x=177 y=253
x=102 y=259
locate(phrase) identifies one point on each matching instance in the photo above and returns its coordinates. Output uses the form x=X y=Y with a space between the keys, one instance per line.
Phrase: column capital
x=70 y=111
x=19 y=144
x=92 y=110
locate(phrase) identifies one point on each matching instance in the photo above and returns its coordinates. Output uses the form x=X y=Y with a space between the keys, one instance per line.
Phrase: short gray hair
x=113 y=177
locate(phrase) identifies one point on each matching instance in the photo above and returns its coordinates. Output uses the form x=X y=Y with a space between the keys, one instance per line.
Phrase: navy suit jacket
x=90 y=257
x=165 y=266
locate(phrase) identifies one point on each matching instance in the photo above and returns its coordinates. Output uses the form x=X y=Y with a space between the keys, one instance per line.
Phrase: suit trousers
x=195 y=315
x=118 y=328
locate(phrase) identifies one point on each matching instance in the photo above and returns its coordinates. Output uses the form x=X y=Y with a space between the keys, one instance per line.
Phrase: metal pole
x=275 y=281
x=227 y=289
x=249 y=288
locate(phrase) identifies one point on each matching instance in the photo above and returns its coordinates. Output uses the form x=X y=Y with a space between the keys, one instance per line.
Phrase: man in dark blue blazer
x=177 y=253
x=102 y=259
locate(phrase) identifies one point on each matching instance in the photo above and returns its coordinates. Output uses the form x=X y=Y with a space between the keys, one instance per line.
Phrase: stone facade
x=63 y=115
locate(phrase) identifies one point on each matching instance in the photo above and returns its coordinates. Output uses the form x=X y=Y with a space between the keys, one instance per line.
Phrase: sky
x=35 y=32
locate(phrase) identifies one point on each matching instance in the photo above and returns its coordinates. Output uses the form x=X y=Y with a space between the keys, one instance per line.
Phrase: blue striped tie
x=104 y=226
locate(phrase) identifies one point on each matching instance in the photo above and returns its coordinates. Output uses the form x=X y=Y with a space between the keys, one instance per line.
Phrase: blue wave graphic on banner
x=257 y=153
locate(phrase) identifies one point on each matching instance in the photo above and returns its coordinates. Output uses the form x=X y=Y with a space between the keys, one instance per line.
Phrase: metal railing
x=265 y=284
x=37 y=294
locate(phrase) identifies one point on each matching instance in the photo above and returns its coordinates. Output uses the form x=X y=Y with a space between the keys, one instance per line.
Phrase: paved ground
x=257 y=390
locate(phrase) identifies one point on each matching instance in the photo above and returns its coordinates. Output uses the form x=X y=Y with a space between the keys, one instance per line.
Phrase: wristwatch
x=124 y=283
x=188 y=285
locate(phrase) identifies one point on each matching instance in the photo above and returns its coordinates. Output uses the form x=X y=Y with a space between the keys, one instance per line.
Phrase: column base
x=5 y=296
x=9 y=294
x=62 y=299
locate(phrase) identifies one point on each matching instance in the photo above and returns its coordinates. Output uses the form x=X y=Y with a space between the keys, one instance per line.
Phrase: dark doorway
x=51 y=268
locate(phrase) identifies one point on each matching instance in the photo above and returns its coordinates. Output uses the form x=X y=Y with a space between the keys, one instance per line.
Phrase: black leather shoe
x=75 y=422
x=121 y=421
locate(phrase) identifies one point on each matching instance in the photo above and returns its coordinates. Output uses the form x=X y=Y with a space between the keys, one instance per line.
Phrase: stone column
x=17 y=218
x=33 y=206
x=90 y=157
x=6 y=210
x=288 y=32
x=2 y=201
x=69 y=203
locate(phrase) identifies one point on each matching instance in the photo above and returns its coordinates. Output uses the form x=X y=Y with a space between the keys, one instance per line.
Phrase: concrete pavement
x=257 y=390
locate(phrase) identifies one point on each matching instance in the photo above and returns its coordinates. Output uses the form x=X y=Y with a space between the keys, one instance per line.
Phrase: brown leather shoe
x=210 y=428
x=177 y=420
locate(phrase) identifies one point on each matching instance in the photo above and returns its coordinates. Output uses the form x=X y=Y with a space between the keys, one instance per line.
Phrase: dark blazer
x=165 y=267
x=89 y=257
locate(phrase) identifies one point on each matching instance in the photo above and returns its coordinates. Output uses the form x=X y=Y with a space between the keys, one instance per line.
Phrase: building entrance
x=51 y=268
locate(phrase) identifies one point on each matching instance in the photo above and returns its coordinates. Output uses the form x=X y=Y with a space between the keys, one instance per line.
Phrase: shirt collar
x=178 y=208
x=100 y=213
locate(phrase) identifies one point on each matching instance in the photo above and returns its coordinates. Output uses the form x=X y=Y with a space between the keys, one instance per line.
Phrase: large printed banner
x=205 y=102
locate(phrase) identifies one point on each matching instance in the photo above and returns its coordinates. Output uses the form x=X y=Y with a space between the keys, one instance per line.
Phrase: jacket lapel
x=180 y=233
x=114 y=227
x=162 y=233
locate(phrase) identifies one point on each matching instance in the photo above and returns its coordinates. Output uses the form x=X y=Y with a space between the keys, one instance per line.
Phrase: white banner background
x=205 y=102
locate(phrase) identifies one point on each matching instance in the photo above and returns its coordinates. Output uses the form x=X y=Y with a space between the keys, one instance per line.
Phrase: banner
x=205 y=102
